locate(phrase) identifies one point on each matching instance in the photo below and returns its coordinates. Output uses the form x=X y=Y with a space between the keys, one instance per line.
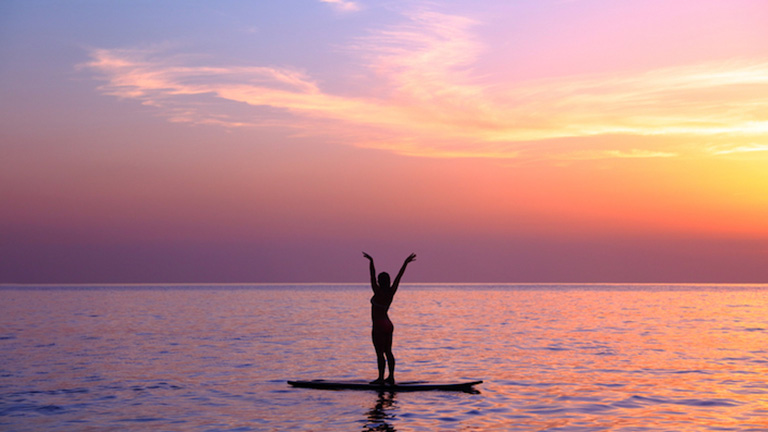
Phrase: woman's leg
x=386 y=347
x=380 y=360
x=382 y=341
x=391 y=363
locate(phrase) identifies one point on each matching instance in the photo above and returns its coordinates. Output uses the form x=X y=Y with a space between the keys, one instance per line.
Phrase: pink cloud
x=436 y=104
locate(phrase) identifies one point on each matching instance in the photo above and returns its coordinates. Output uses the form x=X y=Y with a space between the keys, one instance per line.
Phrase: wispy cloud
x=616 y=154
x=344 y=5
x=739 y=149
x=436 y=104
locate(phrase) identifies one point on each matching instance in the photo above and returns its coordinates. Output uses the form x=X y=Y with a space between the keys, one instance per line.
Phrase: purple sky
x=274 y=141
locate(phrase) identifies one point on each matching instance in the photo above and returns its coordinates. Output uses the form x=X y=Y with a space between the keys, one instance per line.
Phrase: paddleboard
x=399 y=386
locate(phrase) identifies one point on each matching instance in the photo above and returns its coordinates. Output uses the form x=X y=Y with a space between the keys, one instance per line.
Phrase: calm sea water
x=553 y=358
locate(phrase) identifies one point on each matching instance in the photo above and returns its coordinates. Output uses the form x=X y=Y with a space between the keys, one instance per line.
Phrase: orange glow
x=348 y=122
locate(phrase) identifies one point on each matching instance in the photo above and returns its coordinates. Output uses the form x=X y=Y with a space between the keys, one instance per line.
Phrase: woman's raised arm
x=374 y=285
x=396 y=283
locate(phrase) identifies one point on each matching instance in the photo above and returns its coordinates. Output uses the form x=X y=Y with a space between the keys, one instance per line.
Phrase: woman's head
x=384 y=280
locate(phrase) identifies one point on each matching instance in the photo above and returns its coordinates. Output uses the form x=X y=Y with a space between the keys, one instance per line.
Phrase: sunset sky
x=273 y=141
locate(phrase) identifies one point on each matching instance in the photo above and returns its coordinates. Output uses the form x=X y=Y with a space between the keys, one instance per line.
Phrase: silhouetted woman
x=383 y=293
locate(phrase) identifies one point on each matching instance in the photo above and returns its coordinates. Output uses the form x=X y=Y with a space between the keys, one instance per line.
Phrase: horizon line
x=139 y=284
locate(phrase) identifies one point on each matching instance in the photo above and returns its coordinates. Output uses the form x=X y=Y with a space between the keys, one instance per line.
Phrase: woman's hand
x=368 y=256
x=411 y=257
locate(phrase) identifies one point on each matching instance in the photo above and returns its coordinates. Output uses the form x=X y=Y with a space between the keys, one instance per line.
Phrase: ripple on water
x=635 y=401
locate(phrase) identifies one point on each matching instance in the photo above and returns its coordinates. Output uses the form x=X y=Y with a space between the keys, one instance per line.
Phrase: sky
x=274 y=141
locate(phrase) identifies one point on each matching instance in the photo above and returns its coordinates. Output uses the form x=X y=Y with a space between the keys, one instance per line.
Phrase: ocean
x=216 y=358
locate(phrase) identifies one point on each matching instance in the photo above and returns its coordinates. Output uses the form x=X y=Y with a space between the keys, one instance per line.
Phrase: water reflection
x=170 y=359
x=377 y=416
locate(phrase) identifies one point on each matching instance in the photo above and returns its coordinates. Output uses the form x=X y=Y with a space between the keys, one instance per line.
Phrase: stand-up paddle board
x=399 y=386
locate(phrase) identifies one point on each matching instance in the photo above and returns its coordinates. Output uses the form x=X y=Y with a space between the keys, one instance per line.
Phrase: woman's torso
x=380 y=303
